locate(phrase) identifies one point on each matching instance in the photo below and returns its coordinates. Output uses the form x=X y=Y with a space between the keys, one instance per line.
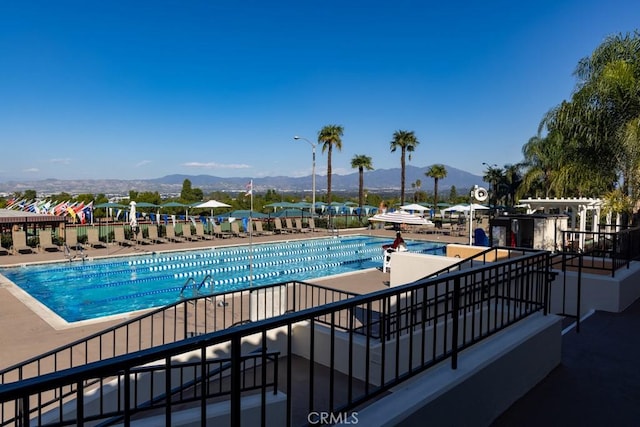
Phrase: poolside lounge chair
x=152 y=231
x=19 y=245
x=217 y=231
x=235 y=230
x=261 y=231
x=289 y=226
x=119 y=238
x=45 y=242
x=312 y=224
x=200 y=232
x=278 y=225
x=93 y=239
x=71 y=239
x=171 y=234
x=186 y=232
x=300 y=228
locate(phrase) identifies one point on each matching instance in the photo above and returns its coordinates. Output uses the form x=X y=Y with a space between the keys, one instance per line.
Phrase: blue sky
x=121 y=89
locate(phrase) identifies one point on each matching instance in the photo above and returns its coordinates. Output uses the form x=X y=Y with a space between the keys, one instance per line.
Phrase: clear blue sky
x=136 y=89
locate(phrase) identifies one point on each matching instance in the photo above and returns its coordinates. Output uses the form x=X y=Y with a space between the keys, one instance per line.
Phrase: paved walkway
x=597 y=383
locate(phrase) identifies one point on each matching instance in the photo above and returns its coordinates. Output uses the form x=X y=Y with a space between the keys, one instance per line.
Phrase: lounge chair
x=300 y=228
x=152 y=230
x=19 y=245
x=119 y=238
x=289 y=226
x=235 y=230
x=186 y=232
x=261 y=231
x=278 y=225
x=171 y=234
x=93 y=239
x=217 y=231
x=45 y=242
x=200 y=232
x=312 y=224
x=71 y=239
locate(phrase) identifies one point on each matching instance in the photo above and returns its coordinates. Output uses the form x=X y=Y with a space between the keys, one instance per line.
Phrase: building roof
x=8 y=216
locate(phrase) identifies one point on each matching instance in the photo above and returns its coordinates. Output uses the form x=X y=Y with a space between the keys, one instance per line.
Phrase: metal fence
x=603 y=250
x=332 y=357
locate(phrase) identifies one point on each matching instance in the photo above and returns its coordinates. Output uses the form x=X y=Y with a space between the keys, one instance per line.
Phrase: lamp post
x=313 y=174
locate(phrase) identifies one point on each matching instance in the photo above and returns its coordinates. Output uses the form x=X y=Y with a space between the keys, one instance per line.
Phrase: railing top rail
x=119 y=363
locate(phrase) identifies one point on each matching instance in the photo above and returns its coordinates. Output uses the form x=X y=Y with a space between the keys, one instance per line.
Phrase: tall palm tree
x=407 y=142
x=437 y=172
x=361 y=162
x=330 y=136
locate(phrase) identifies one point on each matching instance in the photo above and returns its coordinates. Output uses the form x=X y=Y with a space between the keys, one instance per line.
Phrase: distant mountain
x=376 y=180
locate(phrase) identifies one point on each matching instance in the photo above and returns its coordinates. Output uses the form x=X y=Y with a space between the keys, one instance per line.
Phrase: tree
x=407 y=142
x=361 y=162
x=330 y=136
x=494 y=176
x=189 y=194
x=437 y=172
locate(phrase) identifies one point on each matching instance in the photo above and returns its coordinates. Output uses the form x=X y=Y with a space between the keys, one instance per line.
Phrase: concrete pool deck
x=25 y=332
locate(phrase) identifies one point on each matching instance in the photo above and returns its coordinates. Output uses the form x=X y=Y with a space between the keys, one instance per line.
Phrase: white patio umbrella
x=212 y=204
x=133 y=221
x=465 y=208
x=414 y=207
x=400 y=217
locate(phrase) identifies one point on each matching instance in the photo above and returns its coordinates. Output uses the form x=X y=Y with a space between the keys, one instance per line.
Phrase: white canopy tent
x=414 y=207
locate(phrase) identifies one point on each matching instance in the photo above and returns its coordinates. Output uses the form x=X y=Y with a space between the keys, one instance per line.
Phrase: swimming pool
x=95 y=288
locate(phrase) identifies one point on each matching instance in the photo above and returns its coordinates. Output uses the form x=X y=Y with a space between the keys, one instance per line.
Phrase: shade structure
x=400 y=217
x=109 y=205
x=465 y=208
x=242 y=213
x=146 y=205
x=414 y=207
x=174 y=205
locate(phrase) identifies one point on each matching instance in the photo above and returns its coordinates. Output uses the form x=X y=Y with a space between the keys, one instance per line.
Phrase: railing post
x=236 y=385
x=455 y=323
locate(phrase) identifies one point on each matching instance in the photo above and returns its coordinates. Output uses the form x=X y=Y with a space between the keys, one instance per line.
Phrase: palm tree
x=361 y=162
x=407 y=142
x=437 y=172
x=330 y=136
x=494 y=176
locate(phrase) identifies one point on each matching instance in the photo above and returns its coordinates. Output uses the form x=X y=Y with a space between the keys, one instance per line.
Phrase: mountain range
x=376 y=180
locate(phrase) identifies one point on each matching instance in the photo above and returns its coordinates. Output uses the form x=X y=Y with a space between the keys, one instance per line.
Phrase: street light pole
x=313 y=174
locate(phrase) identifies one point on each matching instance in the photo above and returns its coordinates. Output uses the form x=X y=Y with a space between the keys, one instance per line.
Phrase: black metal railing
x=607 y=251
x=567 y=261
x=335 y=356
x=183 y=319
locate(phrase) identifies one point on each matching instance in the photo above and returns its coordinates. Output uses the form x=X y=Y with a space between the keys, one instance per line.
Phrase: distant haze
x=376 y=180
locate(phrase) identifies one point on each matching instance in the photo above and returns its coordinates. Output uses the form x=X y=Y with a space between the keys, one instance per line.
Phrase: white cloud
x=213 y=165
x=142 y=163
x=61 y=161
x=31 y=170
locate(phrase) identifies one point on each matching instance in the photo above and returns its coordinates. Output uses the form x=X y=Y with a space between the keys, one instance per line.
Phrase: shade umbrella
x=212 y=204
x=133 y=221
x=400 y=217
x=243 y=213
x=414 y=207
x=465 y=208
x=109 y=205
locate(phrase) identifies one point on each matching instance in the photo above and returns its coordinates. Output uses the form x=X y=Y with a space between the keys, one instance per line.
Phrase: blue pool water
x=96 y=288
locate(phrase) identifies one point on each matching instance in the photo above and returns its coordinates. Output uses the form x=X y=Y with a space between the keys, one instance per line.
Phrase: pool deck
x=25 y=331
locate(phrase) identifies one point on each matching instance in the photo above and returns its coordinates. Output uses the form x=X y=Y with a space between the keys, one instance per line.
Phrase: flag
x=249 y=187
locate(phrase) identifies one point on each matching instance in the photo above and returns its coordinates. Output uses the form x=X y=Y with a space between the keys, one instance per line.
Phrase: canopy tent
x=400 y=217
x=109 y=205
x=291 y=213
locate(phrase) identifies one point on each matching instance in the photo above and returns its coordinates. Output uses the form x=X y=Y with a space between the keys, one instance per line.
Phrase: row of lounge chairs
x=71 y=238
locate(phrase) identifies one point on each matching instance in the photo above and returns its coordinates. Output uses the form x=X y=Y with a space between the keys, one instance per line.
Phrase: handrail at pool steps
x=434 y=319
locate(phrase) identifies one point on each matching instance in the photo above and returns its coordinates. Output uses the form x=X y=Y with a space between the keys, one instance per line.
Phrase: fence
x=342 y=353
